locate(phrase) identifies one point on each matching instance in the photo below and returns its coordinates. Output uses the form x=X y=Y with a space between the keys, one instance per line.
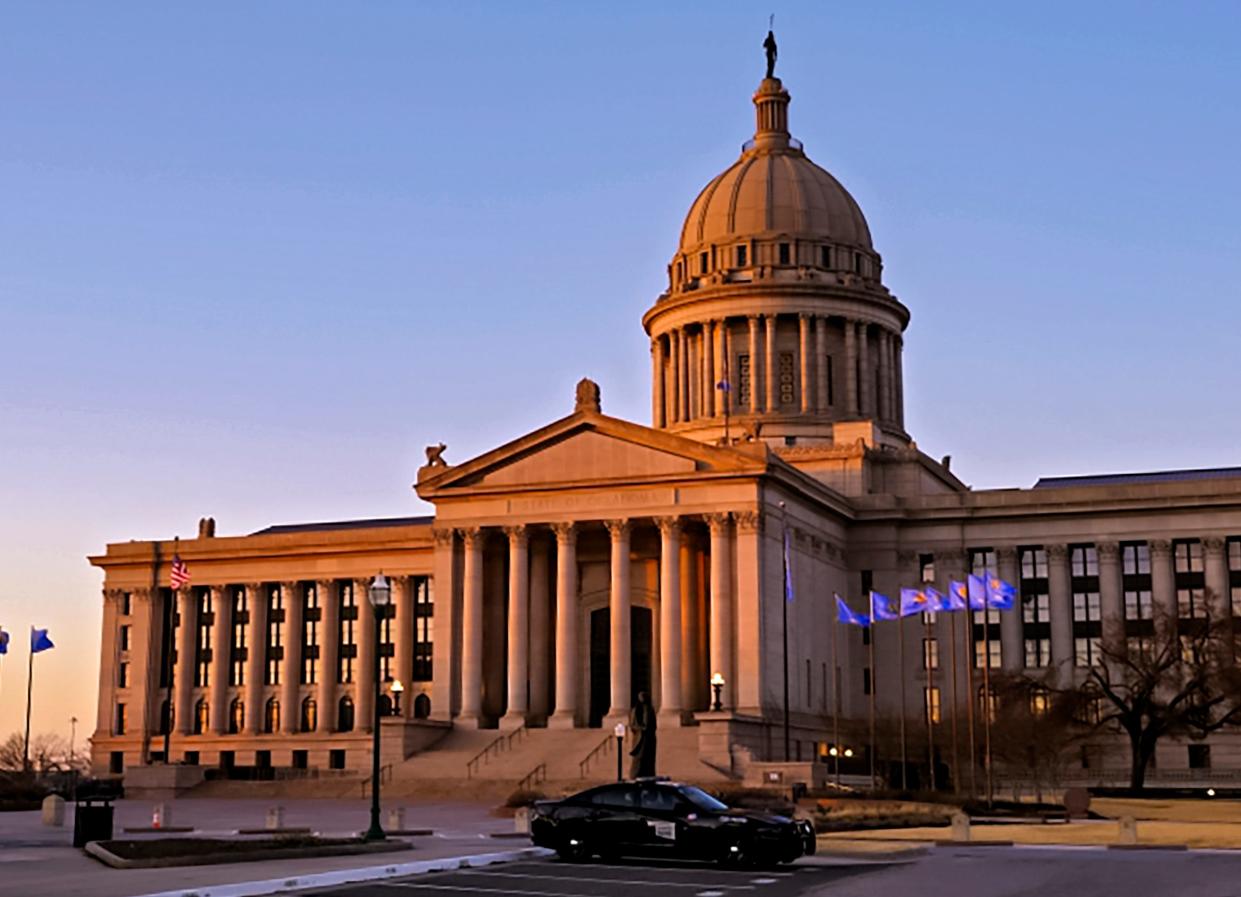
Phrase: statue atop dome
x=770 y=46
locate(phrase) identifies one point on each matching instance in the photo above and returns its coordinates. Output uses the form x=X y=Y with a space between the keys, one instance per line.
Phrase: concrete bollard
x=521 y=821
x=396 y=819
x=1128 y=830
x=161 y=816
x=54 y=810
x=275 y=818
x=960 y=827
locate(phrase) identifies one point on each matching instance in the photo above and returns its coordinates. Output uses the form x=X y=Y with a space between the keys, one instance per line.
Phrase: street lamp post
x=380 y=594
x=717 y=685
x=619 y=732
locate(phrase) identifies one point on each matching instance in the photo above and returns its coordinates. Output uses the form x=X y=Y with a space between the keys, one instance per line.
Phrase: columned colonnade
x=689 y=361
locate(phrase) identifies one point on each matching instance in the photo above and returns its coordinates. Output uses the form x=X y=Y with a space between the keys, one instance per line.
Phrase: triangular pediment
x=587 y=447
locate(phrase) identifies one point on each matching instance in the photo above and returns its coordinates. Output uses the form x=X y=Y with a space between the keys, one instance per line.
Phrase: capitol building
x=594 y=558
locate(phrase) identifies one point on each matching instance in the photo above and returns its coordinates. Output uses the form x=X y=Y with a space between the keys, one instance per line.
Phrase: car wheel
x=733 y=856
x=573 y=850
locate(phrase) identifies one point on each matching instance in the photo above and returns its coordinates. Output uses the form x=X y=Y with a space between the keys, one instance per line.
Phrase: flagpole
x=930 y=686
x=900 y=659
x=986 y=688
x=874 y=682
x=784 y=613
x=835 y=700
x=969 y=706
x=170 y=618
x=29 y=692
x=956 y=706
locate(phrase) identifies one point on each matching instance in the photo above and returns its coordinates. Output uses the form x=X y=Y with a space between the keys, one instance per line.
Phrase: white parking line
x=763 y=881
x=477 y=890
x=618 y=880
x=710 y=894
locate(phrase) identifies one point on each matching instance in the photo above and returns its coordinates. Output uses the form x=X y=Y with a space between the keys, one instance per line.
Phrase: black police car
x=659 y=818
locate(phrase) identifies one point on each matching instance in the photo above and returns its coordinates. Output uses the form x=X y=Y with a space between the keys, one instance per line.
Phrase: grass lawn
x=1191 y=834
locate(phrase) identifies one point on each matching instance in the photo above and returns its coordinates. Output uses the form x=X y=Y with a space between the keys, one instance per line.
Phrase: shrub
x=523 y=798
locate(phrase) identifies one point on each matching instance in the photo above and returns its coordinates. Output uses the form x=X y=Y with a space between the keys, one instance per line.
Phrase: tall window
x=310 y=634
x=926 y=576
x=202 y=640
x=121 y=720
x=124 y=637
x=1040 y=701
x=831 y=379
x=745 y=383
x=127 y=604
x=825 y=256
x=1190 y=581
x=348 y=634
x=1087 y=625
x=1135 y=569
x=704 y=260
x=310 y=715
x=122 y=674
x=743 y=256
x=783 y=253
x=237 y=650
x=274 y=655
x=202 y=716
x=271 y=716
x=986 y=623
x=1234 y=574
x=236 y=717
x=424 y=627
x=387 y=649
x=786 y=378
x=1035 y=607
x=168 y=636
x=930 y=654
x=344 y=714
x=931 y=708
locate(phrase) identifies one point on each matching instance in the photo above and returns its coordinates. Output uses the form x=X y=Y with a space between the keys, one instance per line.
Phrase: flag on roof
x=180 y=575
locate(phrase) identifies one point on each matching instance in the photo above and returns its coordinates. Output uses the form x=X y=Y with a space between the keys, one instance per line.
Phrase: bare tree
x=11 y=752
x=48 y=753
x=1033 y=729
x=1181 y=680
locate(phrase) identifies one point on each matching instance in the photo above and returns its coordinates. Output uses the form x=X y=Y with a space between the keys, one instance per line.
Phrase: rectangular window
x=704 y=260
x=744 y=383
x=825 y=256
x=1136 y=583
x=986 y=648
x=310 y=634
x=831 y=380
x=783 y=250
x=274 y=649
x=857 y=263
x=930 y=654
x=931 y=705
x=1234 y=575
x=1035 y=606
x=167 y=639
x=1190 y=580
x=1086 y=652
x=865 y=680
x=336 y=759
x=202 y=642
x=424 y=628
x=986 y=623
x=122 y=674
x=1040 y=702
x=1199 y=756
x=348 y=634
x=127 y=604
x=387 y=647
x=786 y=378
x=123 y=637
x=742 y=256
x=116 y=762
x=237 y=647
x=1084 y=585
x=121 y=720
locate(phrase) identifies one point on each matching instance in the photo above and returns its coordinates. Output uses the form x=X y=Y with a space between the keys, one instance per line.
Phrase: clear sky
x=253 y=257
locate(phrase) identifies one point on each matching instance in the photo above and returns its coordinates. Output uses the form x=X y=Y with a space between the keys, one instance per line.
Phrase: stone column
x=851 y=364
x=717 y=351
x=745 y=685
x=670 y=620
x=1060 y=601
x=866 y=377
x=291 y=668
x=1215 y=569
x=109 y=657
x=565 y=715
x=674 y=380
x=1163 y=587
x=472 y=629
x=364 y=667
x=683 y=374
x=756 y=402
x=256 y=656
x=803 y=350
x=518 y=628
x=221 y=629
x=445 y=654
x=402 y=640
x=1111 y=595
x=721 y=612
x=769 y=373
x=657 y=383
x=708 y=347
x=619 y=613
x=898 y=364
x=820 y=362
x=540 y=635
x=184 y=684
x=1012 y=646
x=329 y=652
x=885 y=376
x=144 y=662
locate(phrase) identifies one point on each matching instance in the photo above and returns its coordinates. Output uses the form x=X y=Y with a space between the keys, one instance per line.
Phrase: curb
x=350 y=876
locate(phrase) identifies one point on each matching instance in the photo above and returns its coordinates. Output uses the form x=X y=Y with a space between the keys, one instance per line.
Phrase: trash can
x=92 y=820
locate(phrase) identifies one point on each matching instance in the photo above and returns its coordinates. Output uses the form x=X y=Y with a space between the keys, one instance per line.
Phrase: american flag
x=180 y=575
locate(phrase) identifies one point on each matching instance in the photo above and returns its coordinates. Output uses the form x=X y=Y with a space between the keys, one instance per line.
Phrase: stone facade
x=594 y=558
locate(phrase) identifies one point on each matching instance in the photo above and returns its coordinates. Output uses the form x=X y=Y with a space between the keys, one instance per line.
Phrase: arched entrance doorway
x=641 y=621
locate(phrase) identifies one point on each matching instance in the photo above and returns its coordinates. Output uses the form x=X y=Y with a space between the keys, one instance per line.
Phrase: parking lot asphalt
x=553 y=878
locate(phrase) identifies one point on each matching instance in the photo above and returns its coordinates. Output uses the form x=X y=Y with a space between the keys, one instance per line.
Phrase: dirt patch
x=156 y=852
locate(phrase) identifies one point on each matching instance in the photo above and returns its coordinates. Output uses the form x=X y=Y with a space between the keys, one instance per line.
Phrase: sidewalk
x=38 y=860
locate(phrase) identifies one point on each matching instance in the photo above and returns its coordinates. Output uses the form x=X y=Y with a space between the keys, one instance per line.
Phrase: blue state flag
x=881 y=608
x=958 y=596
x=788 y=570
x=914 y=601
x=39 y=640
x=938 y=601
x=977 y=592
x=724 y=386
x=1000 y=594
x=844 y=614
x=4 y=641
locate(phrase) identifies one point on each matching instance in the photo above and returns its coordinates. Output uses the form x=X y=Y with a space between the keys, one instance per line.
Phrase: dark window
x=262 y=759
x=1234 y=575
x=236 y=717
x=986 y=636
x=1035 y=607
x=301 y=759
x=865 y=680
x=616 y=796
x=228 y=759
x=1199 y=756
x=831 y=380
x=422 y=706
x=348 y=634
x=868 y=583
x=202 y=717
x=275 y=628
x=742 y=256
x=783 y=250
x=191 y=758
x=1084 y=584
x=116 y=763
x=704 y=260
x=119 y=727
x=825 y=256
x=387 y=646
x=1190 y=581
x=344 y=715
x=271 y=716
x=857 y=263
x=127 y=604
x=310 y=634
x=659 y=798
x=166 y=718
x=202 y=640
x=336 y=759
x=310 y=715
x=167 y=648
x=424 y=627
x=237 y=649
x=122 y=674
x=124 y=637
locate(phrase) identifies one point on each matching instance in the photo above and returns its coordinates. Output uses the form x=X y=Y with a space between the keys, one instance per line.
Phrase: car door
x=616 y=824
x=663 y=812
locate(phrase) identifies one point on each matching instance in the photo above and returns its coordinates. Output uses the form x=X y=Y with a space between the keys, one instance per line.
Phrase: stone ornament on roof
x=587 y=396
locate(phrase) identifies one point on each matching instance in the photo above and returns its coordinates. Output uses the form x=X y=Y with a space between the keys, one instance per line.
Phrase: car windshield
x=702 y=800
